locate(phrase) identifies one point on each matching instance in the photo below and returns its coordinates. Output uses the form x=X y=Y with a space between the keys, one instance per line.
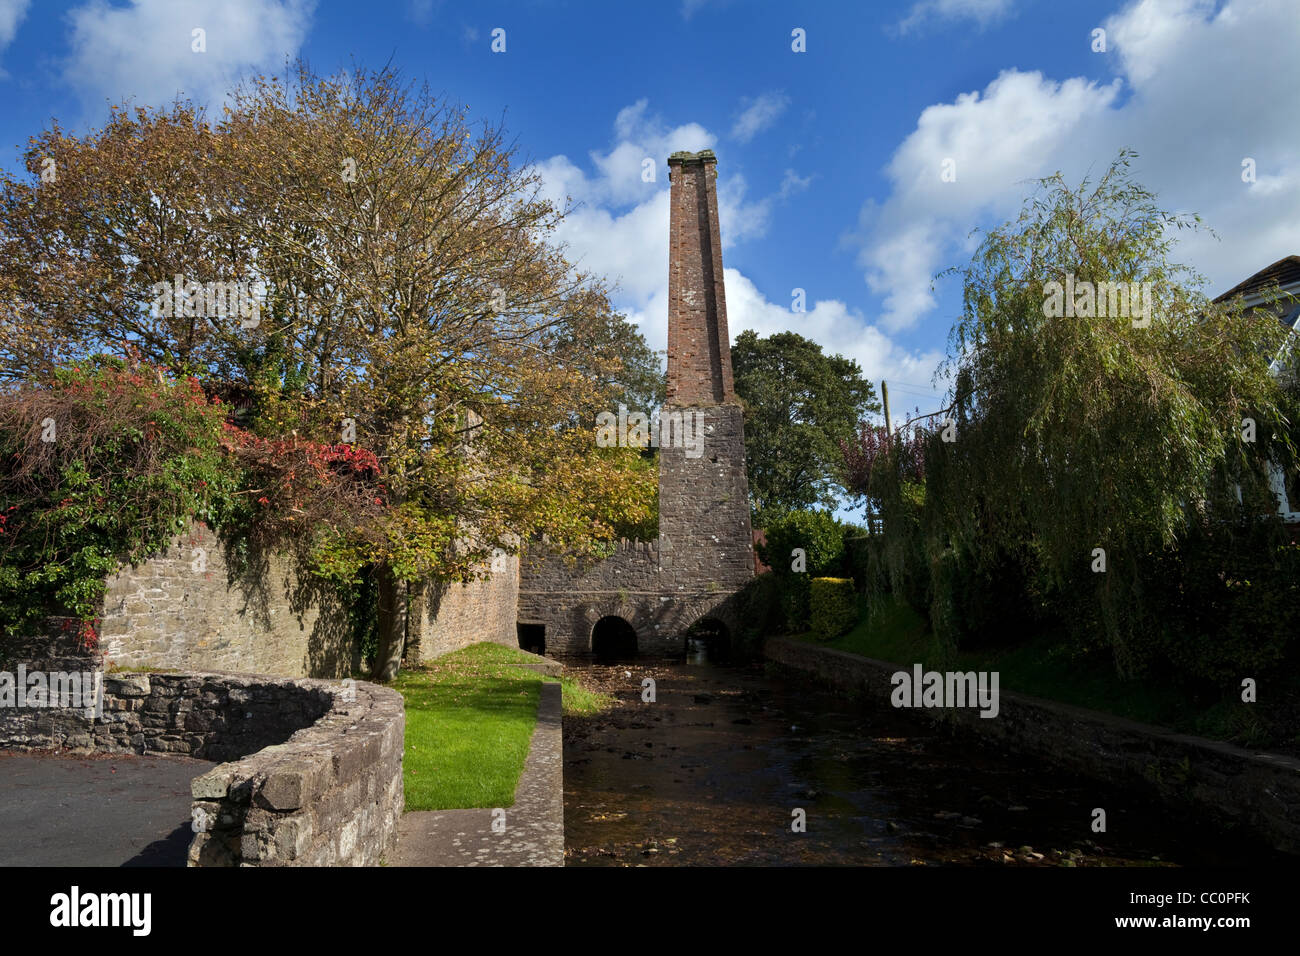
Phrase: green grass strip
x=469 y=720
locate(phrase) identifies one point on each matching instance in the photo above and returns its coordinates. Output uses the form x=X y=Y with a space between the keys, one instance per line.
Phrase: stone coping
x=329 y=795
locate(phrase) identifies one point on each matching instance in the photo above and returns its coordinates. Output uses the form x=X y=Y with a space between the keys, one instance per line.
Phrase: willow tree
x=1094 y=440
x=410 y=300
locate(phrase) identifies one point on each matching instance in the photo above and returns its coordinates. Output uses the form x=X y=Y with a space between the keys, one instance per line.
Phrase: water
x=715 y=769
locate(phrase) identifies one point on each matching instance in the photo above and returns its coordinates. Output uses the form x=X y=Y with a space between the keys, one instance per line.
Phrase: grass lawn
x=1047 y=668
x=469 y=719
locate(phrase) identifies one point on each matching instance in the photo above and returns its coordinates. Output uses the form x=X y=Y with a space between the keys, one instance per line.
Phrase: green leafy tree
x=800 y=404
x=801 y=545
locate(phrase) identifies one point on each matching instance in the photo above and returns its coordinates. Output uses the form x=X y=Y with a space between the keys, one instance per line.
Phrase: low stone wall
x=1259 y=791
x=209 y=716
x=315 y=771
x=330 y=796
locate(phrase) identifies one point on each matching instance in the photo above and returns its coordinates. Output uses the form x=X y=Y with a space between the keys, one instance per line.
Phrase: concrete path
x=95 y=810
x=534 y=826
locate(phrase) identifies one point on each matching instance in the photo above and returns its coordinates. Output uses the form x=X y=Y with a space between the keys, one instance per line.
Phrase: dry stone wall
x=314 y=768
x=330 y=795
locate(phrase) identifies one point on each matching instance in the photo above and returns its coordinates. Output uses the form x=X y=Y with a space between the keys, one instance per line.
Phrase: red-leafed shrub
x=300 y=488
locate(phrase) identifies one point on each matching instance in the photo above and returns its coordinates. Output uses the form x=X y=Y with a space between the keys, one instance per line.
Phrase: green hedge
x=795 y=601
x=834 y=606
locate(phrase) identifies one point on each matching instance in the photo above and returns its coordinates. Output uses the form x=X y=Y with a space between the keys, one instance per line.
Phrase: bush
x=1226 y=610
x=974 y=607
x=818 y=533
x=857 y=556
x=794 y=593
x=102 y=465
x=834 y=606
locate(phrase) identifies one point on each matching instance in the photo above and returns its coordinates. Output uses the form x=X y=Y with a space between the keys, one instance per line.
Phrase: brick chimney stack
x=699 y=348
x=705 y=542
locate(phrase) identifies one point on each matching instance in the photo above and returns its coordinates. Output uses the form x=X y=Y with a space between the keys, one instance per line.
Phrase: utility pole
x=884 y=395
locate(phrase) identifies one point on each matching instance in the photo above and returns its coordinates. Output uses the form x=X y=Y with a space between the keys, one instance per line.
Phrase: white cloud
x=995 y=141
x=793 y=184
x=692 y=7
x=11 y=15
x=1203 y=93
x=421 y=12
x=834 y=326
x=981 y=12
x=144 y=50
x=758 y=114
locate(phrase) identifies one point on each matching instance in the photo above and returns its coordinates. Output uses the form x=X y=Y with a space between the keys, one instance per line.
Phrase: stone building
x=645 y=596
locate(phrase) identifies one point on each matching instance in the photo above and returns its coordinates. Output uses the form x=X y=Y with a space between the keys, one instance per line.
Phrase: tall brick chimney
x=699 y=348
x=704 y=529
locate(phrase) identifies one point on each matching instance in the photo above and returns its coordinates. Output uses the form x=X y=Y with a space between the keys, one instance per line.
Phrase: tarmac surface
x=95 y=809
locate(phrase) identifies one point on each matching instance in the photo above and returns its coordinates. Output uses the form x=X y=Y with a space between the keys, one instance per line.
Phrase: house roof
x=1284 y=272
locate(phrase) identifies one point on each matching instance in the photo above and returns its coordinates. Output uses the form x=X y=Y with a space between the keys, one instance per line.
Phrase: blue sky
x=829 y=160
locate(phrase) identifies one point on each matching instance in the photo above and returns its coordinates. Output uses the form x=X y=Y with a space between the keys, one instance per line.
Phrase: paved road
x=118 y=810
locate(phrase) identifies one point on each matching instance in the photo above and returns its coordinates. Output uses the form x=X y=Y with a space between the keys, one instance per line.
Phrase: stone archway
x=613 y=639
x=712 y=635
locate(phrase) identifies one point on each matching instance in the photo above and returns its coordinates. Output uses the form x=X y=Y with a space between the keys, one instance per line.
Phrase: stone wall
x=704 y=528
x=331 y=795
x=187 y=609
x=315 y=768
x=447 y=617
x=212 y=717
x=569 y=596
x=1259 y=791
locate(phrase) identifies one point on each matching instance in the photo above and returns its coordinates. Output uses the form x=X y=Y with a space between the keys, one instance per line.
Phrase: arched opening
x=532 y=637
x=708 y=640
x=613 y=639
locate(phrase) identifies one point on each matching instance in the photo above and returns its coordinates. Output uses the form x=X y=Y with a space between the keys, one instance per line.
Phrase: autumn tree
x=409 y=299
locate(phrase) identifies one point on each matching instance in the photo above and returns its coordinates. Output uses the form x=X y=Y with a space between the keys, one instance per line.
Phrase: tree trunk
x=390 y=625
